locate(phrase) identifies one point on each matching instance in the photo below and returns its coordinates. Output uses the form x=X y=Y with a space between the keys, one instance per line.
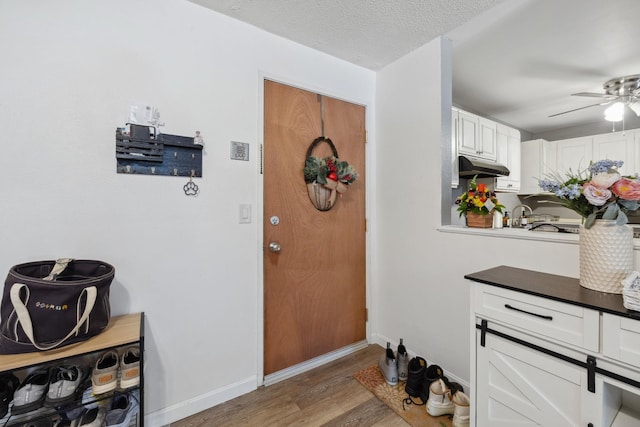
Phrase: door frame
x=259 y=218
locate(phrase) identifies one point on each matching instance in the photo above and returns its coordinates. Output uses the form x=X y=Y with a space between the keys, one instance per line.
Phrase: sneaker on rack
x=461 y=409
x=389 y=366
x=403 y=362
x=94 y=417
x=130 y=367
x=122 y=408
x=105 y=373
x=43 y=422
x=439 y=402
x=8 y=385
x=31 y=393
x=63 y=422
x=65 y=383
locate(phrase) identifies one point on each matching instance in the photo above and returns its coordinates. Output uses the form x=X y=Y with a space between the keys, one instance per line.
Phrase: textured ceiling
x=523 y=65
x=516 y=61
x=370 y=33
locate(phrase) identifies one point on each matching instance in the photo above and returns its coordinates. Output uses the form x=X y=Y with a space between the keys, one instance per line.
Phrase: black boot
x=431 y=374
x=417 y=367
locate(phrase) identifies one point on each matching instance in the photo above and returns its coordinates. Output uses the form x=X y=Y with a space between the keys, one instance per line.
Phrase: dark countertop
x=559 y=288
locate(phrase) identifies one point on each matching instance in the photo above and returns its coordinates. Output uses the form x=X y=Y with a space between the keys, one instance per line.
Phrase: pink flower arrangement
x=599 y=192
x=627 y=189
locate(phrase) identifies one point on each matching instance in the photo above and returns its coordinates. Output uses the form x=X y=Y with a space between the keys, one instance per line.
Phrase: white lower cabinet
x=552 y=364
x=621 y=339
x=517 y=386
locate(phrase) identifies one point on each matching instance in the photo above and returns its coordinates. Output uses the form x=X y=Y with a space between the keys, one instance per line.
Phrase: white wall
x=69 y=70
x=420 y=293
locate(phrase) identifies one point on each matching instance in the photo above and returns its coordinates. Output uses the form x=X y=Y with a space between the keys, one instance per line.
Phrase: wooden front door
x=314 y=287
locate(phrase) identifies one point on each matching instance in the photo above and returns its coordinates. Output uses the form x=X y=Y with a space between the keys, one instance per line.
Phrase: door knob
x=274 y=247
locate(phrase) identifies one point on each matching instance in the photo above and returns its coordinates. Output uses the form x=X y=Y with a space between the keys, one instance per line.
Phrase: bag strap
x=61 y=265
x=25 y=320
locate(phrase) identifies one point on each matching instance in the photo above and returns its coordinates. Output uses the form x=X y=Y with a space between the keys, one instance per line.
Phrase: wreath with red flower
x=329 y=171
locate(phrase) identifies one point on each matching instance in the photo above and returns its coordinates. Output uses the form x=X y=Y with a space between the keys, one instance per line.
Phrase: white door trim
x=259 y=217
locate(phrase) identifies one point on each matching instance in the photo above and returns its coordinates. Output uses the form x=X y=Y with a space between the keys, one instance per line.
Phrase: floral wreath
x=331 y=172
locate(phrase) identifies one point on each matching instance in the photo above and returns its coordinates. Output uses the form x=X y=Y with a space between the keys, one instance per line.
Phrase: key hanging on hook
x=190 y=188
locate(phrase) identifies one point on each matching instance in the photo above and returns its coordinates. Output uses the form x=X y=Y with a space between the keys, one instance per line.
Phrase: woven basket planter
x=321 y=197
x=475 y=220
x=606 y=256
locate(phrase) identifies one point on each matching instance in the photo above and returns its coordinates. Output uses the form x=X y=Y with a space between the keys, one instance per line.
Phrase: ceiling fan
x=620 y=91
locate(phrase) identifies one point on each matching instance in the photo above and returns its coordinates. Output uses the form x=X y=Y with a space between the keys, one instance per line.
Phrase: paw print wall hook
x=190 y=188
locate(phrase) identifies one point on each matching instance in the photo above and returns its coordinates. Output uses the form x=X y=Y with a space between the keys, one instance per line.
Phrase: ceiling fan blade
x=635 y=107
x=595 y=95
x=578 y=109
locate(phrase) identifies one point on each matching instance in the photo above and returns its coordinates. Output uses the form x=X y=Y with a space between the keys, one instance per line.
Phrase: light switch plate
x=244 y=214
x=239 y=151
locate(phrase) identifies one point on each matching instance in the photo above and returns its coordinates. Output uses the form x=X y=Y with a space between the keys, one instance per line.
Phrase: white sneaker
x=105 y=373
x=461 y=409
x=130 y=368
x=439 y=402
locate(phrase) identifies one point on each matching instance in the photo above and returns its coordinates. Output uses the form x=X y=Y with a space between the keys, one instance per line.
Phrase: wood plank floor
x=324 y=396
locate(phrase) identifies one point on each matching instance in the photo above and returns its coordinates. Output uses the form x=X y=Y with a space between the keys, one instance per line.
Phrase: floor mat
x=393 y=396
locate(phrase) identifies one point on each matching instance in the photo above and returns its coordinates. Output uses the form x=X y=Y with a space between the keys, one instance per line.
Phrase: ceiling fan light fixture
x=615 y=113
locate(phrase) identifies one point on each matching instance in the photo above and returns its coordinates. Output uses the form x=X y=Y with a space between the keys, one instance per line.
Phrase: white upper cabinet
x=455 y=166
x=616 y=146
x=476 y=136
x=487 y=139
x=571 y=155
x=540 y=157
x=508 y=153
x=535 y=165
x=467 y=133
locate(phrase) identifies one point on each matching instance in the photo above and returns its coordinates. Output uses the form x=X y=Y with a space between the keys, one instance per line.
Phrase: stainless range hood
x=471 y=166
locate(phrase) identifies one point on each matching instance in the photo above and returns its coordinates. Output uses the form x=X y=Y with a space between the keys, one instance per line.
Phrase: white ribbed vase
x=606 y=256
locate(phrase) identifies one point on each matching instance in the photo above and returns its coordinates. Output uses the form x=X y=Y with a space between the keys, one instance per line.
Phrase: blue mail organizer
x=141 y=151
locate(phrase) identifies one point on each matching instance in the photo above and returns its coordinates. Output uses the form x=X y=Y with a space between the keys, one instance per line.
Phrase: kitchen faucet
x=523 y=209
x=516 y=221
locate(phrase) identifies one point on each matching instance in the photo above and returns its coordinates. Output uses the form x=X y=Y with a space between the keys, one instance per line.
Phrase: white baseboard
x=173 y=413
x=382 y=341
x=313 y=363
